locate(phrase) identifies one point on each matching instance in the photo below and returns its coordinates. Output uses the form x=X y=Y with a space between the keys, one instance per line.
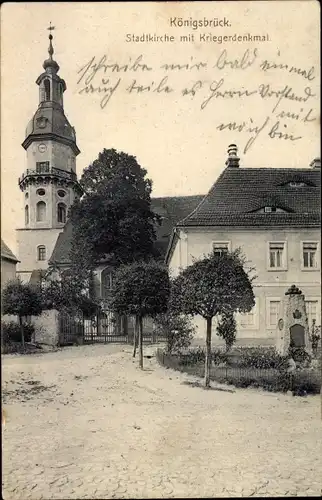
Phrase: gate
x=103 y=327
x=71 y=328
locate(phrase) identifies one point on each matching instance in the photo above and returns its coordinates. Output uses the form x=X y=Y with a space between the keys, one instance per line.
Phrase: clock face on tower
x=42 y=148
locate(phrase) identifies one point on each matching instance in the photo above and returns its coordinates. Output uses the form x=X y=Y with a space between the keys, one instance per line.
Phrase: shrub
x=193 y=357
x=177 y=329
x=11 y=332
x=272 y=379
x=300 y=355
x=315 y=336
x=226 y=329
x=262 y=358
x=196 y=356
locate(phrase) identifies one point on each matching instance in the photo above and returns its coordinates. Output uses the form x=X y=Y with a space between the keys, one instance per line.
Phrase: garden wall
x=46 y=328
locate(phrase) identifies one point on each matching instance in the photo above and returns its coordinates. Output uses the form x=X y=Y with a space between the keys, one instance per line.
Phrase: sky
x=177 y=122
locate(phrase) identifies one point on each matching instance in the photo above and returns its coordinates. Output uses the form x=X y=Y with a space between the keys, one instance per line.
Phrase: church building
x=272 y=214
x=49 y=183
x=49 y=186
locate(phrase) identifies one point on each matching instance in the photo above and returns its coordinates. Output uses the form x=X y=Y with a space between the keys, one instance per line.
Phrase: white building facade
x=273 y=215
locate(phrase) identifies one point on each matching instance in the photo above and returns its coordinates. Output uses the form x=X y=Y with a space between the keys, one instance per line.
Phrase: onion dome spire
x=50 y=64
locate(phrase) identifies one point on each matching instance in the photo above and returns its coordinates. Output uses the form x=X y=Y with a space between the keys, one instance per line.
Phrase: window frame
x=215 y=242
x=108 y=272
x=283 y=267
x=61 y=204
x=269 y=326
x=42 y=203
x=27 y=215
x=40 y=170
x=255 y=325
x=47 y=90
x=317 y=256
x=41 y=247
x=318 y=310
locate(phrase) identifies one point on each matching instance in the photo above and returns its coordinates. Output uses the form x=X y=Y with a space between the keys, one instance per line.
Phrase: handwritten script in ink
x=288 y=106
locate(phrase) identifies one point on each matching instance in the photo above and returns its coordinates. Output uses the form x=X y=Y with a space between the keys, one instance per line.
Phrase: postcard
x=161 y=236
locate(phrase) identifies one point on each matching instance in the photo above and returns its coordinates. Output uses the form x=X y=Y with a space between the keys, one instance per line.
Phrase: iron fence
x=103 y=328
x=299 y=382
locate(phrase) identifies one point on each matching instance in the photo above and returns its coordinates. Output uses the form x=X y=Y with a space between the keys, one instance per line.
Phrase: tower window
x=47 y=89
x=41 y=211
x=26 y=214
x=27 y=196
x=41 y=252
x=61 y=193
x=42 y=167
x=41 y=192
x=61 y=212
x=106 y=282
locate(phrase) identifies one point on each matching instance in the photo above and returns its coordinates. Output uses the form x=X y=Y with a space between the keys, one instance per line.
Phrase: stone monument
x=293 y=327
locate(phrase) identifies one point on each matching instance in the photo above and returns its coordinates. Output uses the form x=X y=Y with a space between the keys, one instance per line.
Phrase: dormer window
x=271 y=209
x=298 y=181
x=296 y=184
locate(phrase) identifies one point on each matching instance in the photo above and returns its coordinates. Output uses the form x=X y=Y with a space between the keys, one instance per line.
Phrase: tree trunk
x=140 y=343
x=135 y=338
x=22 y=333
x=208 y=353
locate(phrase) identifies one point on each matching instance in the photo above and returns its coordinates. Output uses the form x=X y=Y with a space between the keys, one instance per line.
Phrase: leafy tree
x=226 y=329
x=113 y=219
x=140 y=289
x=21 y=299
x=68 y=292
x=215 y=285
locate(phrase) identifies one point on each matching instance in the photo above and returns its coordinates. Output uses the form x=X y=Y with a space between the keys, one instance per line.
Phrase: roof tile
x=239 y=192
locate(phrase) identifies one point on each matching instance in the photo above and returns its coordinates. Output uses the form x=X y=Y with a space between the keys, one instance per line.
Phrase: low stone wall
x=46 y=328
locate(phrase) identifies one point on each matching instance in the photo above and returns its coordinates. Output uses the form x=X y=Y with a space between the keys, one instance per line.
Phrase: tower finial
x=51 y=48
x=50 y=63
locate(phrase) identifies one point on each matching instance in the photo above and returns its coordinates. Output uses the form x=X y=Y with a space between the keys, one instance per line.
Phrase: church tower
x=49 y=183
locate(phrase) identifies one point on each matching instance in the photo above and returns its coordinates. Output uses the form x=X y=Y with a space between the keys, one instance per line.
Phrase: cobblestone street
x=85 y=422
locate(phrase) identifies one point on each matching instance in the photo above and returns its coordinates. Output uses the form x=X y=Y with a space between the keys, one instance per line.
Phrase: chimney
x=232 y=160
x=316 y=163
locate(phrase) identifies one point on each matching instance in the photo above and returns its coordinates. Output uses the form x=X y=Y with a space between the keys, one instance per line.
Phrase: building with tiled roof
x=8 y=264
x=274 y=216
x=170 y=209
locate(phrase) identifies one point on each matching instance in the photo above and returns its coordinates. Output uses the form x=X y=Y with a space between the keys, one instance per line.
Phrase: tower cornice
x=51 y=137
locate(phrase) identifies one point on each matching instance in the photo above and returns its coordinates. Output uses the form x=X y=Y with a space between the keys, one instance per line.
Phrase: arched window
x=106 y=282
x=26 y=214
x=47 y=89
x=61 y=212
x=41 y=252
x=60 y=91
x=41 y=211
